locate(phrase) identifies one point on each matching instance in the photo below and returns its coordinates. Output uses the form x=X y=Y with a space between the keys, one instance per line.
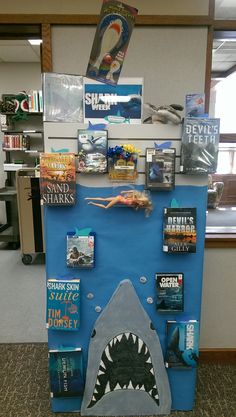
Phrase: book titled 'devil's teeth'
x=179 y=230
x=57 y=179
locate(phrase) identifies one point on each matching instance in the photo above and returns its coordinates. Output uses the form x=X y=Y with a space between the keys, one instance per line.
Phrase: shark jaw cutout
x=125 y=365
x=125 y=373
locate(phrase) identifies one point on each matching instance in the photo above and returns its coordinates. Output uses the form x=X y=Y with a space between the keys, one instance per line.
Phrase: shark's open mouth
x=125 y=365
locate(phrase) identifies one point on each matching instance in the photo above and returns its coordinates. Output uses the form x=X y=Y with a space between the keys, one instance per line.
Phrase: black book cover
x=199 y=147
x=179 y=230
x=170 y=291
x=160 y=169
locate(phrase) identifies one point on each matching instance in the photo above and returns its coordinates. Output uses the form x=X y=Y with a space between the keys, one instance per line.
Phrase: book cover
x=179 y=230
x=80 y=250
x=113 y=104
x=160 y=169
x=199 y=146
x=63 y=304
x=58 y=179
x=182 y=344
x=62 y=98
x=195 y=105
x=170 y=292
x=66 y=373
x=111 y=41
x=92 y=151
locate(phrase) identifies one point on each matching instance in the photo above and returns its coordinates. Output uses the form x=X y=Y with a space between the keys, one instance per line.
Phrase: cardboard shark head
x=125 y=373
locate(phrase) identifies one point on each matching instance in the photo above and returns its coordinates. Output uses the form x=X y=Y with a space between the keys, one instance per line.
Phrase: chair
x=215 y=191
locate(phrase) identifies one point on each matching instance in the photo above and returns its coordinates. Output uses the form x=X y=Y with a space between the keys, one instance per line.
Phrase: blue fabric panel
x=128 y=245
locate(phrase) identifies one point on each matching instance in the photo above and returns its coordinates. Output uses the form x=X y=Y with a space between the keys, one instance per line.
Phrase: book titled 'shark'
x=66 y=373
x=58 y=179
x=179 y=230
x=199 y=146
x=160 y=168
x=63 y=304
x=182 y=349
x=170 y=292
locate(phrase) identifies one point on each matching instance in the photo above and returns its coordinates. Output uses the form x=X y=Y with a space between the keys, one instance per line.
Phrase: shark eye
x=152 y=326
x=94 y=333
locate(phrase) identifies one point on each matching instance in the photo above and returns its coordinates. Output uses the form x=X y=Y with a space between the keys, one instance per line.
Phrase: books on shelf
x=182 y=349
x=16 y=142
x=179 y=230
x=58 y=179
x=195 y=105
x=92 y=151
x=111 y=41
x=113 y=104
x=63 y=304
x=66 y=373
x=170 y=292
x=62 y=98
x=160 y=168
x=80 y=250
x=199 y=145
x=35 y=101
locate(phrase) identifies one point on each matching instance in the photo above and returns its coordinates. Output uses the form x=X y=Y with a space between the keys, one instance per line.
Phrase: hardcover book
x=58 y=179
x=63 y=304
x=107 y=104
x=160 y=169
x=111 y=41
x=199 y=146
x=62 y=98
x=80 y=250
x=92 y=151
x=66 y=373
x=179 y=230
x=182 y=344
x=170 y=292
x=195 y=105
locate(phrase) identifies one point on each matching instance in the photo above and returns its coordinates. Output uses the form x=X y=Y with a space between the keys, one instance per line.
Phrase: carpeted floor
x=24 y=388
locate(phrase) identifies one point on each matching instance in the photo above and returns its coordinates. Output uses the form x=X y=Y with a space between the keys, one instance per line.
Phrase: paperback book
x=58 y=179
x=62 y=98
x=92 y=151
x=160 y=169
x=179 y=230
x=66 y=373
x=117 y=104
x=111 y=41
x=80 y=250
x=170 y=292
x=63 y=304
x=199 y=146
x=182 y=344
x=195 y=105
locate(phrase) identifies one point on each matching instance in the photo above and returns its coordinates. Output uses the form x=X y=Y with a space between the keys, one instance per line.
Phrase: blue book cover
x=170 y=292
x=195 y=105
x=182 y=344
x=66 y=373
x=92 y=151
x=113 y=104
x=63 y=304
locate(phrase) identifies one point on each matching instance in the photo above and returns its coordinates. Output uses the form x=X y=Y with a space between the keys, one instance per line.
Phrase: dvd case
x=160 y=169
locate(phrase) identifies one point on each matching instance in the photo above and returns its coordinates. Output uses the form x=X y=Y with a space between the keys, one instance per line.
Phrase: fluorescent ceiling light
x=35 y=41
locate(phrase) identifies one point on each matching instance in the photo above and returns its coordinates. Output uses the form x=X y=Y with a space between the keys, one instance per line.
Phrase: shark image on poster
x=126 y=373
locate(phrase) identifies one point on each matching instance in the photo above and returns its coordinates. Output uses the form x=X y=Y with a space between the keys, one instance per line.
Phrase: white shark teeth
x=152 y=371
x=134 y=337
x=108 y=354
x=117 y=387
x=148 y=360
x=119 y=337
x=100 y=372
x=130 y=386
x=107 y=389
x=95 y=391
x=127 y=335
x=93 y=399
x=102 y=364
x=140 y=345
x=98 y=382
x=157 y=396
x=142 y=388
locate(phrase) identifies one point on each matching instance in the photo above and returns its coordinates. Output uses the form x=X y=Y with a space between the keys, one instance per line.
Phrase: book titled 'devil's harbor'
x=57 y=179
x=179 y=231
